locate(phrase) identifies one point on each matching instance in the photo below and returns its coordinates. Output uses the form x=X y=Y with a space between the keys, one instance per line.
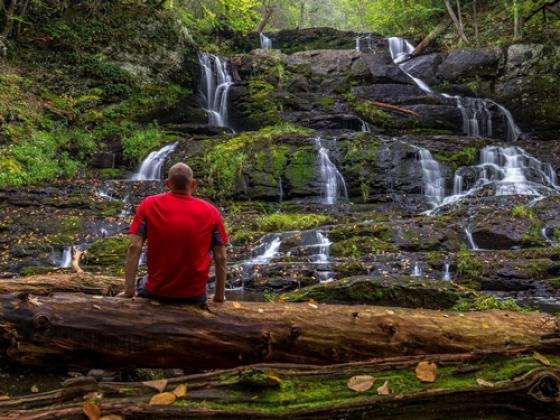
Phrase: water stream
x=266 y=42
x=334 y=185
x=216 y=82
x=446 y=274
x=151 y=167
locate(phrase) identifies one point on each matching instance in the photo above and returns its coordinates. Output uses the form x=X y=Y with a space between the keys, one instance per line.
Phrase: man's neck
x=181 y=192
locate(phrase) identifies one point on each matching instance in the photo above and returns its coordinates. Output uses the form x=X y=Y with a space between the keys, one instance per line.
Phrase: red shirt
x=181 y=231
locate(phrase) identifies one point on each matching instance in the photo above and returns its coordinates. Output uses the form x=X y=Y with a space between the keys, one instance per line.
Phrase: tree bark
x=301 y=14
x=475 y=22
x=257 y=392
x=516 y=22
x=433 y=35
x=124 y=333
x=456 y=21
x=9 y=13
x=265 y=18
x=50 y=283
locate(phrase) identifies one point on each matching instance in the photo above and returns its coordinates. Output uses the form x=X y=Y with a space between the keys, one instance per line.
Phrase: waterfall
x=472 y=244
x=331 y=177
x=434 y=182
x=477 y=118
x=323 y=257
x=104 y=233
x=216 y=82
x=266 y=42
x=365 y=127
x=150 y=168
x=368 y=40
x=270 y=250
x=546 y=237
x=66 y=260
x=446 y=274
x=417 y=270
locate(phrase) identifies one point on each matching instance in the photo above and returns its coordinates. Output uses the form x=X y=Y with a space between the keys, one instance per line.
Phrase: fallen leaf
x=97 y=307
x=313 y=305
x=426 y=371
x=164 y=398
x=541 y=359
x=91 y=410
x=34 y=301
x=311 y=301
x=484 y=383
x=159 y=385
x=390 y=312
x=34 y=389
x=155 y=303
x=180 y=391
x=93 y=396
x=485 y=325
x=274 y=378
x=236 y=305
x=383 y=389
x=360 y=383
x=111 y=417
x=260 y=310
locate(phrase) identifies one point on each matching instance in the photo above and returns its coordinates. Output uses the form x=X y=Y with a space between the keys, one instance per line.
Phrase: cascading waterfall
x=150 y=168
x=323 y=256
x=368 y=41
x=477 y=118
x=333 y=181
x=66 y=260
x=434 y=182
x=216 y=82
x=446 y=274
x=266 y=42
x=416 y=270
x=472 y=245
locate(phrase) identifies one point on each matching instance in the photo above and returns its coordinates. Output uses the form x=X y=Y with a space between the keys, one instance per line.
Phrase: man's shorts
x=142 y=292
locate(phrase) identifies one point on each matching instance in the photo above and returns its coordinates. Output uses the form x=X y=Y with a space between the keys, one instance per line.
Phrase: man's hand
x=127 y=294
x=220 y=262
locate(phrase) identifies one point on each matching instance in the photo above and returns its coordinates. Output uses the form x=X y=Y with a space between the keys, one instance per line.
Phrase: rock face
x=470 y=63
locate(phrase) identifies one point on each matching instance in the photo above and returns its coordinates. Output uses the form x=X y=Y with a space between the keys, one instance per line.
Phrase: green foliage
x=485 y=303
x=109 y=252
x=278 y=222
x=260 y=108
x=143 y=140
x=469 y=267
x=466 y=156
x=522 y=211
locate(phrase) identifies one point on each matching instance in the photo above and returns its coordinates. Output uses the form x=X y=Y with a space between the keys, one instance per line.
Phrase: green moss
x=301 y=167
x=109 y=252
x=351 y=268
x=37 y=269
x=467 y=156
x=290 y=221
x=484 y=303
x=374 y=114
x=261 y=109
x=469 y=267
x=361 y=246
x=140 y=142
x=67 y=230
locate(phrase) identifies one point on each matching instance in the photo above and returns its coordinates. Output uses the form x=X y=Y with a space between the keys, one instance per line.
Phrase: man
x=182 y=232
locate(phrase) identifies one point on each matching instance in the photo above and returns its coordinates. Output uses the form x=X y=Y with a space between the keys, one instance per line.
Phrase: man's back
x=181 y=231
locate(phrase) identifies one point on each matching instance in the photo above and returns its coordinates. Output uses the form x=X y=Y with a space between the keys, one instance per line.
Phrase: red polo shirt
x=181 y=231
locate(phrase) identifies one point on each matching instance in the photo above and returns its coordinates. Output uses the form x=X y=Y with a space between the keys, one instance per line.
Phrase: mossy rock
x=361 y=246
x=109 y=252
x=403 y=291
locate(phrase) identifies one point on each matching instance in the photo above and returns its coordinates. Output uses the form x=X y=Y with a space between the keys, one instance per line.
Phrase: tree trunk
x=516 y=21
x=302 y=391
x=456 y=21
x=124 y=333
x=301 y=14
x=475 y=22
x=9 y=13
x=265 y=18
x=433 y=35
x=50 y=283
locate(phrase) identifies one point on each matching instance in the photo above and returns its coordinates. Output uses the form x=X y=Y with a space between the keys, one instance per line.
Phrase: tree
x=457 y=20
x=516 y=21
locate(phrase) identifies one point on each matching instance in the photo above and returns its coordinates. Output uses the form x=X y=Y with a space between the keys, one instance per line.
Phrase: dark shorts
x=141 y=292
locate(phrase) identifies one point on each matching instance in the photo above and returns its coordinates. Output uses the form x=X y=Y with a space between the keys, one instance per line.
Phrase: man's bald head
x=180 y=178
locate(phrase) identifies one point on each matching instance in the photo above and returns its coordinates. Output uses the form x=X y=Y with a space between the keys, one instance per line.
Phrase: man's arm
x=220 y=261
x=132 y=258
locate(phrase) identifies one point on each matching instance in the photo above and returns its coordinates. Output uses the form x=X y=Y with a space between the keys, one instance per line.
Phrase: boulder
x=469 y=63
x=325 y=62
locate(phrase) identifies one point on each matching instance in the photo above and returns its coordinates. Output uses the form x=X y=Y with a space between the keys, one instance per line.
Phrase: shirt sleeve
x=139 y=224
x=219 y=235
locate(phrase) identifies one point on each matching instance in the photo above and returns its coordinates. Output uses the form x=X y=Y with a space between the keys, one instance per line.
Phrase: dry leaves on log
x=541 y=359
x=383 y=389
x=180 y=391
x=164 y=398
x=360 y=383
x=159 y=385
x=274 y=378
x=91 y=410
x=426 y=371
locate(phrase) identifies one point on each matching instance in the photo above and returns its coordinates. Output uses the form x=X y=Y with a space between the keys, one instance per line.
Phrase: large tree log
x=433 y=35
x=50 y=283
x=466 y=385
x=112 y=332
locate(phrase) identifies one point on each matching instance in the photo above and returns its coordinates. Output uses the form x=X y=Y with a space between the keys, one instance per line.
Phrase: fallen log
x=50 y=283
x=393 y=107
x=95 y=331
x=465 y=385
x=440 y=28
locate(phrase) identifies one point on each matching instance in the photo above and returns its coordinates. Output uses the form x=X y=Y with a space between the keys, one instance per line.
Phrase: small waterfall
x=364 y=39
x=104 y=233
x=472 y=245
x=477 y=118
x=434 y=182
x=270 y=250
x=333 y=181
x=323 y=257
x=365 y=127
x=280 y=190
x=215 y=88
x=416 y=270
x=446 y=274
x=545 y=235
x=266 y=42
x=150 y=168
x=66 y=260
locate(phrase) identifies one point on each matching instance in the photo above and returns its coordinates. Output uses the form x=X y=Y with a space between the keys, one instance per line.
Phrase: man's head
x=180 y=179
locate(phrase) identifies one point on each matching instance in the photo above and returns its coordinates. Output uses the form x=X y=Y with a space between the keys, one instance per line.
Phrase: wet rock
x=378 y=69
x=325 y=62
x=470 y=62
x=425 y=67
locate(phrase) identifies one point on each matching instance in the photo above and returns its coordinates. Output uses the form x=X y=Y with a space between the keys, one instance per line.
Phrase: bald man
x=182 y=233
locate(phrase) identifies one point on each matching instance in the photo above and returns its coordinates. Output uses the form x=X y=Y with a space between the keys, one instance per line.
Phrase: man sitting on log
x=182 y=231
